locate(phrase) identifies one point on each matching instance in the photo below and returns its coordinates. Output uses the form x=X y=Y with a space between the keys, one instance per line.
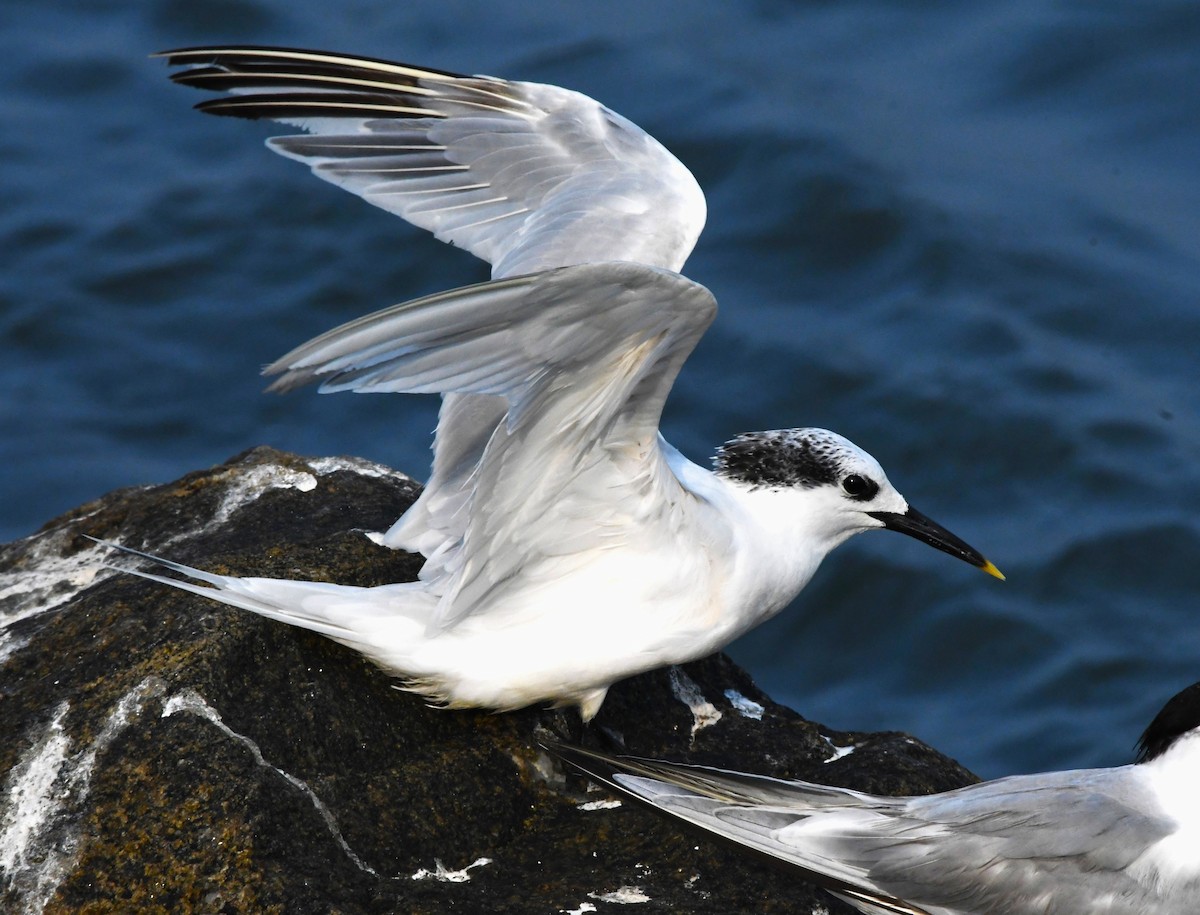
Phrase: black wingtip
x=592 y=764
x=603 y=769
x=251 y=55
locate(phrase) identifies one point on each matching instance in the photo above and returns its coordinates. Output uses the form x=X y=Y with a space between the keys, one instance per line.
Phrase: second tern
x=1118 y=841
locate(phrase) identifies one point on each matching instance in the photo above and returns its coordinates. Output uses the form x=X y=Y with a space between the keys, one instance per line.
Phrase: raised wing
x=1057 y=842
x=526 y=176
x=583 y=357
x=605 y=339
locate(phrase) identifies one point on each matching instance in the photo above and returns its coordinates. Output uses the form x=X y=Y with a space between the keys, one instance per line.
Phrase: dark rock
x=164 y=753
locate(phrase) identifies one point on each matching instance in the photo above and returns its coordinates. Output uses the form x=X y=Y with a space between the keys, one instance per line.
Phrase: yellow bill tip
x=992 y=570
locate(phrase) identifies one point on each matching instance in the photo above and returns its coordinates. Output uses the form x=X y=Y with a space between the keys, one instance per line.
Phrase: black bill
x=925 y=529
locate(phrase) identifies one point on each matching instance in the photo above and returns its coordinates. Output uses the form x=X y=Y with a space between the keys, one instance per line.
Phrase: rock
x=164 y=753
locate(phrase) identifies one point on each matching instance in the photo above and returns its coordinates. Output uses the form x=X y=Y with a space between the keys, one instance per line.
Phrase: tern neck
x=774 y=539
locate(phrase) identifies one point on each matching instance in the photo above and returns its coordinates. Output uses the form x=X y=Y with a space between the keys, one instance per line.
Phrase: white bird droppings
x=838 y=752
x=360 y=466
x=747 y=708
x=44 y=794
x=443 y=875
x=190 y=701
x=247 y=486
x=626 y=895
x=32 y=800
x=704 y=713
x=46 y=580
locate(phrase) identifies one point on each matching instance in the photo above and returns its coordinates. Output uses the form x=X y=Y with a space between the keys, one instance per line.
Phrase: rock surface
x=164 y=753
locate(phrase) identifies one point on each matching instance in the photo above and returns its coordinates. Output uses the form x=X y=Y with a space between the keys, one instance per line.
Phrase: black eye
x=859 y=487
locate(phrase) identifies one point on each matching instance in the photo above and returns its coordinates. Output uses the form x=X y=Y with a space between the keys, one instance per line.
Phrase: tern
x=567 y=545
x=1119 y=841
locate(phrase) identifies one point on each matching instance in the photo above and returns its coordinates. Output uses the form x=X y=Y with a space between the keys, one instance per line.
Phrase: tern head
x=845 y=491
x=1179 y=718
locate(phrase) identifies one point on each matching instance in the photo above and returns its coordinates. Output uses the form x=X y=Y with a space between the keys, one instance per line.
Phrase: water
x=963 y=235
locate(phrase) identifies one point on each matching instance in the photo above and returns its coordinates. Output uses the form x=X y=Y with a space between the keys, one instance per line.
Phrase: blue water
x=967 y=236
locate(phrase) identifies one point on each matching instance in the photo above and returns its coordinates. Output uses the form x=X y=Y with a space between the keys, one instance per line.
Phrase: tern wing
x=526 y=176
x=583 y=358
x=717 y=801
x=1015 y=844
x=1062 y=840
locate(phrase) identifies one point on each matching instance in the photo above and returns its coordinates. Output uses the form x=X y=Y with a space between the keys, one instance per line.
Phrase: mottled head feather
x=803 y=458
x=1180 y=715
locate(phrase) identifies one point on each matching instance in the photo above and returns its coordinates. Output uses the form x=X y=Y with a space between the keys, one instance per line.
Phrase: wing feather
x=528 y=177
x=580 y=184
x=582 y=358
